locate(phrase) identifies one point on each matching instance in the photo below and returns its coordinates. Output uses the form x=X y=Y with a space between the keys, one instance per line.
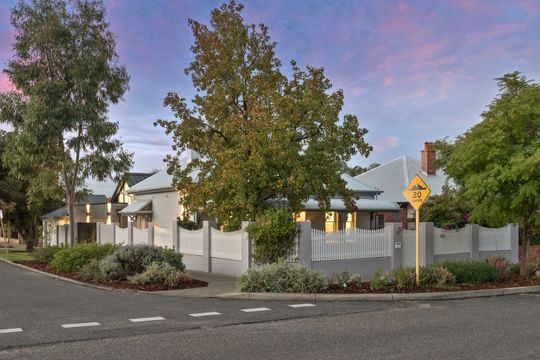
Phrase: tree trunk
x=524 y=264
x=70 y=204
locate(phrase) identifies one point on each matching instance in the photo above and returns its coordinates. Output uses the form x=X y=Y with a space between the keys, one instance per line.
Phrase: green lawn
x=15 y=255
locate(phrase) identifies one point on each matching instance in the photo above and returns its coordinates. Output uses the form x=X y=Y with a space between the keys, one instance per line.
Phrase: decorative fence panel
x=452 y=241
x=350 y=244
x=121 y=236
x=163 y=237
x=106 y=233
x=409 y=247
x=226 y=245
x=63 y=231
x=140 y=236
x=495 y=239
x=191 y=241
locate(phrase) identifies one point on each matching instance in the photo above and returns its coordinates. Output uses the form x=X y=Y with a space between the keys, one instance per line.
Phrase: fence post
x=514 y=243
x=151 y=235
x=98 y=233
x=175 y=236
x=428 y=243
x=207 y=245
x=246 y=246
x=114 y=234
x=304 y=243
x=475 y=242
x=130 y=233
x=396 y=233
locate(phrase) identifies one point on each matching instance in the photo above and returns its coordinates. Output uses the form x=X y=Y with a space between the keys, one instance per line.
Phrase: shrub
x=44 y=255
x=90 y=271
x=283 y=277
x=177 y=278
x=273 y=235
x=473 y=272
x=436 y=277
x=380 y=280
x=343 y=278
x=173 y=258
x=501 y=266
x=110 y=269
x=135 y=258
x=188 y=224
x=156 y=272
x=405 y=278
x=73 y=258
x=356 y=280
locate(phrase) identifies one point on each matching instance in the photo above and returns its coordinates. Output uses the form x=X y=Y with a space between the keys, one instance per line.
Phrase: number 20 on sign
x=416 y=194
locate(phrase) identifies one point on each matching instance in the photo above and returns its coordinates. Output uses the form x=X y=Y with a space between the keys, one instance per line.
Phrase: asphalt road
x=43 y=318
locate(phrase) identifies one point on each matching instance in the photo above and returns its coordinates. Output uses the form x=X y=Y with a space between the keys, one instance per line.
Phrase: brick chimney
x=427 y=159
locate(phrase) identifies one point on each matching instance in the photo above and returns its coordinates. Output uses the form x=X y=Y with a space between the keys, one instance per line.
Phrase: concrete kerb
x=450 y=295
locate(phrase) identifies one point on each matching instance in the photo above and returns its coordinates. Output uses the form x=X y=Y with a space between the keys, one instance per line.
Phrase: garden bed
x=121 y=284
x=365 y=287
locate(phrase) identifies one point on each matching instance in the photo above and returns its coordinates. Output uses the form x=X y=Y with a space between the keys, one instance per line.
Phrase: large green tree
x=260 y=134
x=496 y=163
x=66 y=71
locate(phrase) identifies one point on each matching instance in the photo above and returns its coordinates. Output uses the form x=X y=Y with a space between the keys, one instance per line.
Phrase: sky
x=412 y=71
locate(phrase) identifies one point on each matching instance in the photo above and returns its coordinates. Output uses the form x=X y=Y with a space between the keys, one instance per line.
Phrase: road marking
x=256 y=309
x=13 y=330
x=212 y=313
x=301 y=305
x=155 y=318
x=87 y=324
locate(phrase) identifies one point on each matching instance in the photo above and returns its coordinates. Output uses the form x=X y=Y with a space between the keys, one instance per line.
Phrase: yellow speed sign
x=417 y=192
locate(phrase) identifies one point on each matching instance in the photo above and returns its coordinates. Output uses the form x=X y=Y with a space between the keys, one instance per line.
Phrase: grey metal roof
x=137 y=207
x=357 y=185
x=136 y=177
x=158 y=182
x=393 y=177
x=92 y=200
x=60 y=212
x=362 y=204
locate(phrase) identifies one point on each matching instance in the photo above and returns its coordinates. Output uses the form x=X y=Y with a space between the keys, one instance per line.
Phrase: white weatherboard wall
x=165 y=207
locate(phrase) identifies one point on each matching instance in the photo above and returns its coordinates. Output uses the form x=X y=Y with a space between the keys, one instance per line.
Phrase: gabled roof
x=138 y=207
x=361 y=204
x=393 y=177
x=357 y=185
x=92 y=200
x=131 y=178
x=159 y=182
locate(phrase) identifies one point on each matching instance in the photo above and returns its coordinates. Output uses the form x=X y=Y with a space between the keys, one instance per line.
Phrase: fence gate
x=409 y=247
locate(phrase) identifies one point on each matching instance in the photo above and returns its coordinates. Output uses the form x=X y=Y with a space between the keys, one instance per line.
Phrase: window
x=379 y=221
x=330 y=223
x=351 y=221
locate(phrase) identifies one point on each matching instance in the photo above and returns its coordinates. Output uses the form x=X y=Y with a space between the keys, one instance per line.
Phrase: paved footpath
x=43 y=318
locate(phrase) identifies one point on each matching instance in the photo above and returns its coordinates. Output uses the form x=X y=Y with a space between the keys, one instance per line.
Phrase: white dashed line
x=256 y=309
x=155 y=318
x=212 y=313
x=13 y=330
x=301 y=305
x=87 y=324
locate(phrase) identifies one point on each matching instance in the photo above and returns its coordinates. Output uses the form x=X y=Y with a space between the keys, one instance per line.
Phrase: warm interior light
x=330 y=224
x=87 y=209
x=109 y=207
x=109 y=219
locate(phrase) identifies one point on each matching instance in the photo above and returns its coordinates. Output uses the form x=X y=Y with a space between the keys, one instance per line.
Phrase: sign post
x=416 y=194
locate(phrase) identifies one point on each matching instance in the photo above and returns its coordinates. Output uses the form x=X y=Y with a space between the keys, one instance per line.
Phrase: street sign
x=417 y=192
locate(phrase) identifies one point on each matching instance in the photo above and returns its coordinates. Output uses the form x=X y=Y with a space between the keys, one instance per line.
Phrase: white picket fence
x=350 y=244
x=163 y=237
x=106 y=233
x=141 y=236
x=191 y=241
x=495 y=239
x=227 y=245
x=121 y=236
x=452 y=241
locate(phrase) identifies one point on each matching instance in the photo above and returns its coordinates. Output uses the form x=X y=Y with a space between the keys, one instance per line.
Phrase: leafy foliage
x=496 y=163
x=436 y=276
x=260 y=135
x=501 y=265
x=471 y=272
x=447 y=210
x=405 y=278
x=156 y=272
x=379 y=280
x=135 y=258
x=44 y=255
x=66 y=74
x=111 y=269
x=73 y=258
x=90 y=271
x=283 y=278
x=188 y=224
x=273 y=235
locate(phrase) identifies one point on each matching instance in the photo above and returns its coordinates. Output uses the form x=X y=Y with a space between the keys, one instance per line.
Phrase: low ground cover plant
x=44 y=255
x=283 y=277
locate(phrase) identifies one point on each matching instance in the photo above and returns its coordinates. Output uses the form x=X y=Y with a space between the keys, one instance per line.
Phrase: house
x=156 y=202
x=93 y=209
x=394 y=176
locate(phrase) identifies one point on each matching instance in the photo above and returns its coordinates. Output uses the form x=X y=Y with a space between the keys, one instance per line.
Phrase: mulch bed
x=365 y=287
x=123 y=284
